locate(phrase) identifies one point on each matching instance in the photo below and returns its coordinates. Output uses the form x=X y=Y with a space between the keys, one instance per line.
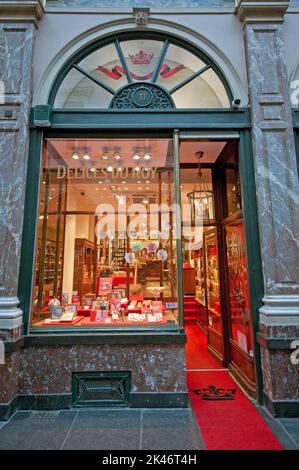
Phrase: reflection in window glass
x=205 y=91
x=106 y=251
x=78 y=91
x=238 y=287
x=232 y=195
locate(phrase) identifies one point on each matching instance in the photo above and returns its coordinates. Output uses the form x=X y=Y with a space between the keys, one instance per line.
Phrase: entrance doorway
x=216 y=298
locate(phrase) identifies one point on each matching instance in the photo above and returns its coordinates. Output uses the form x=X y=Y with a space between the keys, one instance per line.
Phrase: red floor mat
x=231 y=423
x=197 y=356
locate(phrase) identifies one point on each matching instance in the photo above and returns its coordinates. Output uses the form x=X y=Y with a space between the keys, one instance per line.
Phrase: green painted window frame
x=94 y=123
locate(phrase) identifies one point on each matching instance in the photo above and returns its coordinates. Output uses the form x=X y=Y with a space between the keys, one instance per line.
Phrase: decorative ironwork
x=142 y=96
x=215 y=393
x=101 y=389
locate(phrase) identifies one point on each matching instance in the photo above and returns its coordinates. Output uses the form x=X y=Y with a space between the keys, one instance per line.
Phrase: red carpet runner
x=231 y=423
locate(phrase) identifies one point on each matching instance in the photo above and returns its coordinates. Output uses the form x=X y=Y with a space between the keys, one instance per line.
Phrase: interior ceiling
x=85 y=194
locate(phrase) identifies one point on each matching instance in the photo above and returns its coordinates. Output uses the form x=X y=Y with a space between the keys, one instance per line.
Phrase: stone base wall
x=41 y=376
x=280 y=371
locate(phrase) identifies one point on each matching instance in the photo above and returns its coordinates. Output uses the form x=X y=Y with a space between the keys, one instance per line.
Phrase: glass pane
x=104 y=64
x=78 y=91
x=107 y=233
x=232 y=193
x=178 y=65
x=238 y=287
x=205 y=91
x=142 y=56
x=213 y=281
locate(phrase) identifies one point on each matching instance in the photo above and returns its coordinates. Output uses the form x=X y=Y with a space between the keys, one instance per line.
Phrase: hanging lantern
x=201 y=199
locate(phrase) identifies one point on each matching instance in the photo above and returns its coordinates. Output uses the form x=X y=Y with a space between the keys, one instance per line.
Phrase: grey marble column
x=277 y=189
x=274 y=159
x=18 y=22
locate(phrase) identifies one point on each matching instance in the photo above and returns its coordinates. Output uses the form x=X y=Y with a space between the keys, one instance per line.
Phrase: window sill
x=117 y=337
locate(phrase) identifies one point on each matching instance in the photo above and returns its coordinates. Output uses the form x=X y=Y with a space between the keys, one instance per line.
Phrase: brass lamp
x=201 y=199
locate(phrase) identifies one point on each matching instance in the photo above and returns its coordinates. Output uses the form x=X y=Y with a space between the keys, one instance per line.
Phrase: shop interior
x=107 y=241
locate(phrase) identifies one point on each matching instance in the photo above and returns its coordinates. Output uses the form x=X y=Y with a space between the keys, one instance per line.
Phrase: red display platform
x=63 y=323
x=88 y=322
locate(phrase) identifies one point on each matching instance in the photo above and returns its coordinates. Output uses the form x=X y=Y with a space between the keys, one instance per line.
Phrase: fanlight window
x=172 y=77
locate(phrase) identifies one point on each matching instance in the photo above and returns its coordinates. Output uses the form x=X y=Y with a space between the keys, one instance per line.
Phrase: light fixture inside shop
x=86 y=156
x=75 y=156
x=201 y=198
x=136 y=156
x=110 y=168
x=147 y=156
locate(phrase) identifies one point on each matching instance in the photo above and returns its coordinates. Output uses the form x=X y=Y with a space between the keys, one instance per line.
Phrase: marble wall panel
x=16 y=47
x=155 y=368
x=274 y=158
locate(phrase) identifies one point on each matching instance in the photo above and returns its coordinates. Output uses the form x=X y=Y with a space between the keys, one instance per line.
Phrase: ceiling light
x=53 y=189
x=126 y=189
x=139 y=182
x=136 y=157
x=145 y=201
x=86 y=156
x=147 y=182
x=104 y=189
x=117 y=156
x=123 y=182
x=147 y=156
x=139 y=188
x=147 y=188
x=75 y=156
x=100 y=182
x=105 y=156
x=97 y=189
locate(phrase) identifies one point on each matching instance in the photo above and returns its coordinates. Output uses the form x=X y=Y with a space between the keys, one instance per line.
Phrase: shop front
x=149 y=203
x=140 y=223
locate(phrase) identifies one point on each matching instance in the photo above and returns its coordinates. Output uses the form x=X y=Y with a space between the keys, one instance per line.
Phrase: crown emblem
x=215 y=393
x=141 y=58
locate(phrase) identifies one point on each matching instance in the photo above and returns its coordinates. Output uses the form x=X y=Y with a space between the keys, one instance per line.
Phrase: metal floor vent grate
x=101 y=389
x=44 y=416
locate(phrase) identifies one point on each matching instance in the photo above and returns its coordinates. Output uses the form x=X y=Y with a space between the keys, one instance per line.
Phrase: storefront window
x=238 y=286
x=95 y=80
x=106 y=249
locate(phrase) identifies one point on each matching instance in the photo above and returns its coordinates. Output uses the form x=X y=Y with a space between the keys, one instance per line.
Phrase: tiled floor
x=286 y=430
x=121 y=429
x=291 y=426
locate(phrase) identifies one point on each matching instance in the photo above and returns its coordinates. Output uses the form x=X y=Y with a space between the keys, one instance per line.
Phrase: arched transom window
x=140 y=73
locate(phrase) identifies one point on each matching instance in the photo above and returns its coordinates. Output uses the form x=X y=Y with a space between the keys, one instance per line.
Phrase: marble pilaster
x=274 y=159
x=17 y=34
x=276 y=181
x=18 y=22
